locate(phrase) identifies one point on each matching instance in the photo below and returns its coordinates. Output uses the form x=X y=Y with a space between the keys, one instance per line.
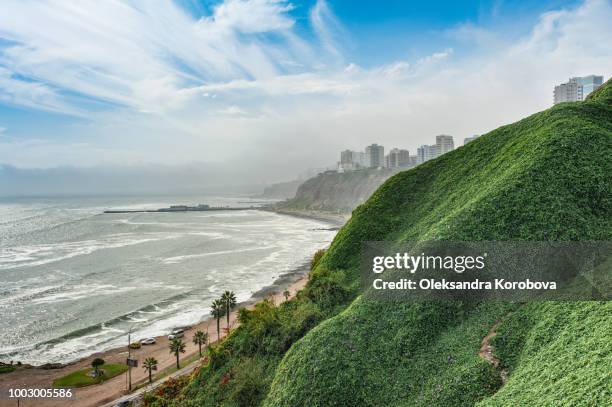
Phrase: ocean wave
x=178 y=259
x=37 y=255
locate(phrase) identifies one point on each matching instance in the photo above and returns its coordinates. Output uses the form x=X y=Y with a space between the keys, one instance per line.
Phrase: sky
x=258 y=91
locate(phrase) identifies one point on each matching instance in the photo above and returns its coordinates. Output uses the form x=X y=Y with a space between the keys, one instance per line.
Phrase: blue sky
x=271 y=81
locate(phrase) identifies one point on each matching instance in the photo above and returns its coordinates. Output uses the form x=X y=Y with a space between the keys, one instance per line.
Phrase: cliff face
x=281 y=190
x=337 y=192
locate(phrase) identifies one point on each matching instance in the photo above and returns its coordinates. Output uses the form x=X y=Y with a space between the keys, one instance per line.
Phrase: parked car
x=135 y=345
x=147 y=341
x=176 y=333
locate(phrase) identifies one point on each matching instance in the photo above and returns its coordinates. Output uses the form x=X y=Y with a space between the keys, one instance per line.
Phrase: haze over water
x=73 y=280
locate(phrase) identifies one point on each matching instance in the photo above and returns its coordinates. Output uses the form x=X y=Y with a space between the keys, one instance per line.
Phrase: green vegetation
x=150 y=364
x=200 y=338
x=7 y=368
x=229 y=300
x=556 y=351
x=97 y=363
x=217 y=310
x=177 y=346
x=543 y=178
x=82 y=378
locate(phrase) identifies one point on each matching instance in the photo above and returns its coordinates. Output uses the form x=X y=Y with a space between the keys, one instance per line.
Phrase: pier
x=184 y=208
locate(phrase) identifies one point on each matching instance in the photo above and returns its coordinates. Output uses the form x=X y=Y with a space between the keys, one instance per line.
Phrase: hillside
x=545 y=177
x=337 y=192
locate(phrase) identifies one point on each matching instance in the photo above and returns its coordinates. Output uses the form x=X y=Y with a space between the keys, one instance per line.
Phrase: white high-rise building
x=577 y=88
x=375 y=156
x=397 y=158
x=426 y=153
x=444 y=144
x=352 y=160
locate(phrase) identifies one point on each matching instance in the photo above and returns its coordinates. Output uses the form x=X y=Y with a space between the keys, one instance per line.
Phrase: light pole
x=129 y=360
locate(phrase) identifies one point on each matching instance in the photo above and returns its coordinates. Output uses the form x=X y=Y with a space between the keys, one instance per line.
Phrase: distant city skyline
x=374 y=156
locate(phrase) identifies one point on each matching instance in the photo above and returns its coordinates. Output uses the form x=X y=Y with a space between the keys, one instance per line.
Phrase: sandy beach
x=96 y=395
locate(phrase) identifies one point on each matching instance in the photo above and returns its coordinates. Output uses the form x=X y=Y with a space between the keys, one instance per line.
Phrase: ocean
x=73 y=280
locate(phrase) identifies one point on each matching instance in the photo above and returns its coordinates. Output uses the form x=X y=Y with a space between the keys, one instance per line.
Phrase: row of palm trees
x=223 y=306
x=220 y=307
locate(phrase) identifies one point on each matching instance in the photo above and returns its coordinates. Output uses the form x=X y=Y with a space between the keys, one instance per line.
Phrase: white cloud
x=141 y=54
x=251 y=16
x=241 y=85
x=328 y=29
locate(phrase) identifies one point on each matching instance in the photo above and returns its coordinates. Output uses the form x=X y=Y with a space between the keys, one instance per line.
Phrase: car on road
x=176 y=333
x=148 y=341
x=124 y=403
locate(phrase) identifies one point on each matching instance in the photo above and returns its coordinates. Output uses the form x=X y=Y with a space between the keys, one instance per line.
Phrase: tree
x=229 y=299
x=96 y=364
x=150 y=364
x=286 y=294
x=200 y=338
x=217 y=310
x=177 y=346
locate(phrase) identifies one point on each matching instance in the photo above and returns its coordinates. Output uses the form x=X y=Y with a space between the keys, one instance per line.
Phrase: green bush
x=82 y=378
x=7 y=368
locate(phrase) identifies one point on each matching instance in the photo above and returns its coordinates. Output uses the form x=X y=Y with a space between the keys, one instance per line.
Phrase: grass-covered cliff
x=546 y=177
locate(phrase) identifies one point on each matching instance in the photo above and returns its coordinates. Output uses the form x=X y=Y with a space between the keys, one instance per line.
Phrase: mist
x=192 y=179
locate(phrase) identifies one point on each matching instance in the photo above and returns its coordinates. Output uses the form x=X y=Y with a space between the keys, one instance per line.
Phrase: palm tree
x=216 y=310
x=96 y=364
x=177 y=346
x=150 y=364
x=229 y=299
x=200 y=338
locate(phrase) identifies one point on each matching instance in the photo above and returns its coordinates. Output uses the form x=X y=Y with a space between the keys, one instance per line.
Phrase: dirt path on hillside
x=487 y=352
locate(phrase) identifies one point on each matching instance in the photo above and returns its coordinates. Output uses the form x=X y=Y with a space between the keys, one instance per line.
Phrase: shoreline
x=42 y=376
x=337 y=220
x=28 y=376
x=281 y=282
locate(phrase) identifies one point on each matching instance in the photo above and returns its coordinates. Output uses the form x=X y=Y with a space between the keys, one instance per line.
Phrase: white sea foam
x=36 y=255
x=178 y=259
